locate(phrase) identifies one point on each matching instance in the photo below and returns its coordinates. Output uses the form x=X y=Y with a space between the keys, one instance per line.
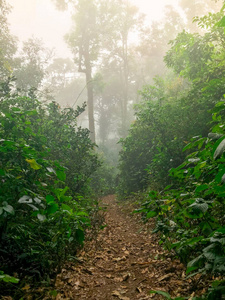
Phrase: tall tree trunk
x=89 y=85
x=90 y=104
x=125 y=86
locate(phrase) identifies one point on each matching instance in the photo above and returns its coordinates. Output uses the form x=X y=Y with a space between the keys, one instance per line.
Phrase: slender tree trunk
x=89 y=85
x=125 y=86
x=90 y=104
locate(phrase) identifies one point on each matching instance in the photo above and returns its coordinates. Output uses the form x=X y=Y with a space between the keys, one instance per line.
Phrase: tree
x=125 y=24
x=198 y=8
x=154 y=44
x=84 y=43
x=63 y=83
x=7 y=43
x=101 y=37
x=29 y=66
x=175 y=110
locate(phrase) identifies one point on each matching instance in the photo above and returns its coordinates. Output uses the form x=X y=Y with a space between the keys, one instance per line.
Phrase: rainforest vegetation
x=139 y=112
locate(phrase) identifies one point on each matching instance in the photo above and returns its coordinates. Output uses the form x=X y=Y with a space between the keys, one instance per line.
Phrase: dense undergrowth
x=185 y=112
x=190 y=212
x=46 y=199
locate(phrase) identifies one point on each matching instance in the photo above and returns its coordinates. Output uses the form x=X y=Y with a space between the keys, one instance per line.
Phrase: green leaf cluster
x=174 y=109
x=46 y=162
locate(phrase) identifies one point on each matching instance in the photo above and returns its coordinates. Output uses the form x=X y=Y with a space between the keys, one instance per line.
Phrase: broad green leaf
x=219 y=265
x=33 y=206
x=61 y=175
x=212 y=251
x=194 y=160
x=202 y=164
x=1 y=210
x=193 y=274
x=82 y=213
x=37 y=200
x=223 y=178
x=220 y=176
x=190 y=269
x=50 y=199
x=201 y=188
x=196 y=262
x=214 y=136
x=51 y=170
x=221 y=229
x=33 y=164
x=151 y=214
x=13 y=279
x=8 y=278
x=194 y=240
x=25 y=199
x=2 y=172
x=219 y=148
x=188 y=146
x=52 y=208
x=9 y=209
x=218 y=237
x=41 y=217
x=66 y=198
x=67 y=208
x=165 y=294
x=221 y=23
x=197 y=209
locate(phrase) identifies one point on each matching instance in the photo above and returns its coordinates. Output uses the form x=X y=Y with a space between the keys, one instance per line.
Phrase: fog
x=40 y=18
x=102 y=56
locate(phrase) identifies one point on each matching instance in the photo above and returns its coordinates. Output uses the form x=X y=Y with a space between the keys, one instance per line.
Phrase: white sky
x=40 y=18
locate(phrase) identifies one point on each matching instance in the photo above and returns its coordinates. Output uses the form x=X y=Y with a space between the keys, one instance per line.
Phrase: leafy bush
x=190 y=213
x=174 y=109
x=45 y=168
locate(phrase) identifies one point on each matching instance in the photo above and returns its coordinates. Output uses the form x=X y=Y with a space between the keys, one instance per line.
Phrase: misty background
x=46 y=56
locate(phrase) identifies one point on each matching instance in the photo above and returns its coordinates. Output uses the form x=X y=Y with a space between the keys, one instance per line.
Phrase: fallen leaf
x=167 y=276
x=119 y=258
x=87 y=271
x=144 y=271
x=118 y=279
x=118 y=294
x=26 y=287
x=139 y=289
x=126 y=276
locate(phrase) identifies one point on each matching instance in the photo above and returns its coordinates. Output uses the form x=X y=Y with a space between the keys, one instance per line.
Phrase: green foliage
x=7 y=42
x=174 y=109
x=163 y=124
x=104 y=180
x=8 y=278
x=45 y=168
x=190 y=214
x=29 y=66
x=167 y=295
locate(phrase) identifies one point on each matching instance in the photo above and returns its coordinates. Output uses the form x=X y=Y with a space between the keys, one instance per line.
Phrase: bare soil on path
x=124 y=262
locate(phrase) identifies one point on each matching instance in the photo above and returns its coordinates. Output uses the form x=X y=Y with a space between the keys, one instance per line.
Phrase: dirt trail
x=124 y=263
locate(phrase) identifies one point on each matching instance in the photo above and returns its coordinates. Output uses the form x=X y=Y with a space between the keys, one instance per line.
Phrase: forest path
x=125 y=263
